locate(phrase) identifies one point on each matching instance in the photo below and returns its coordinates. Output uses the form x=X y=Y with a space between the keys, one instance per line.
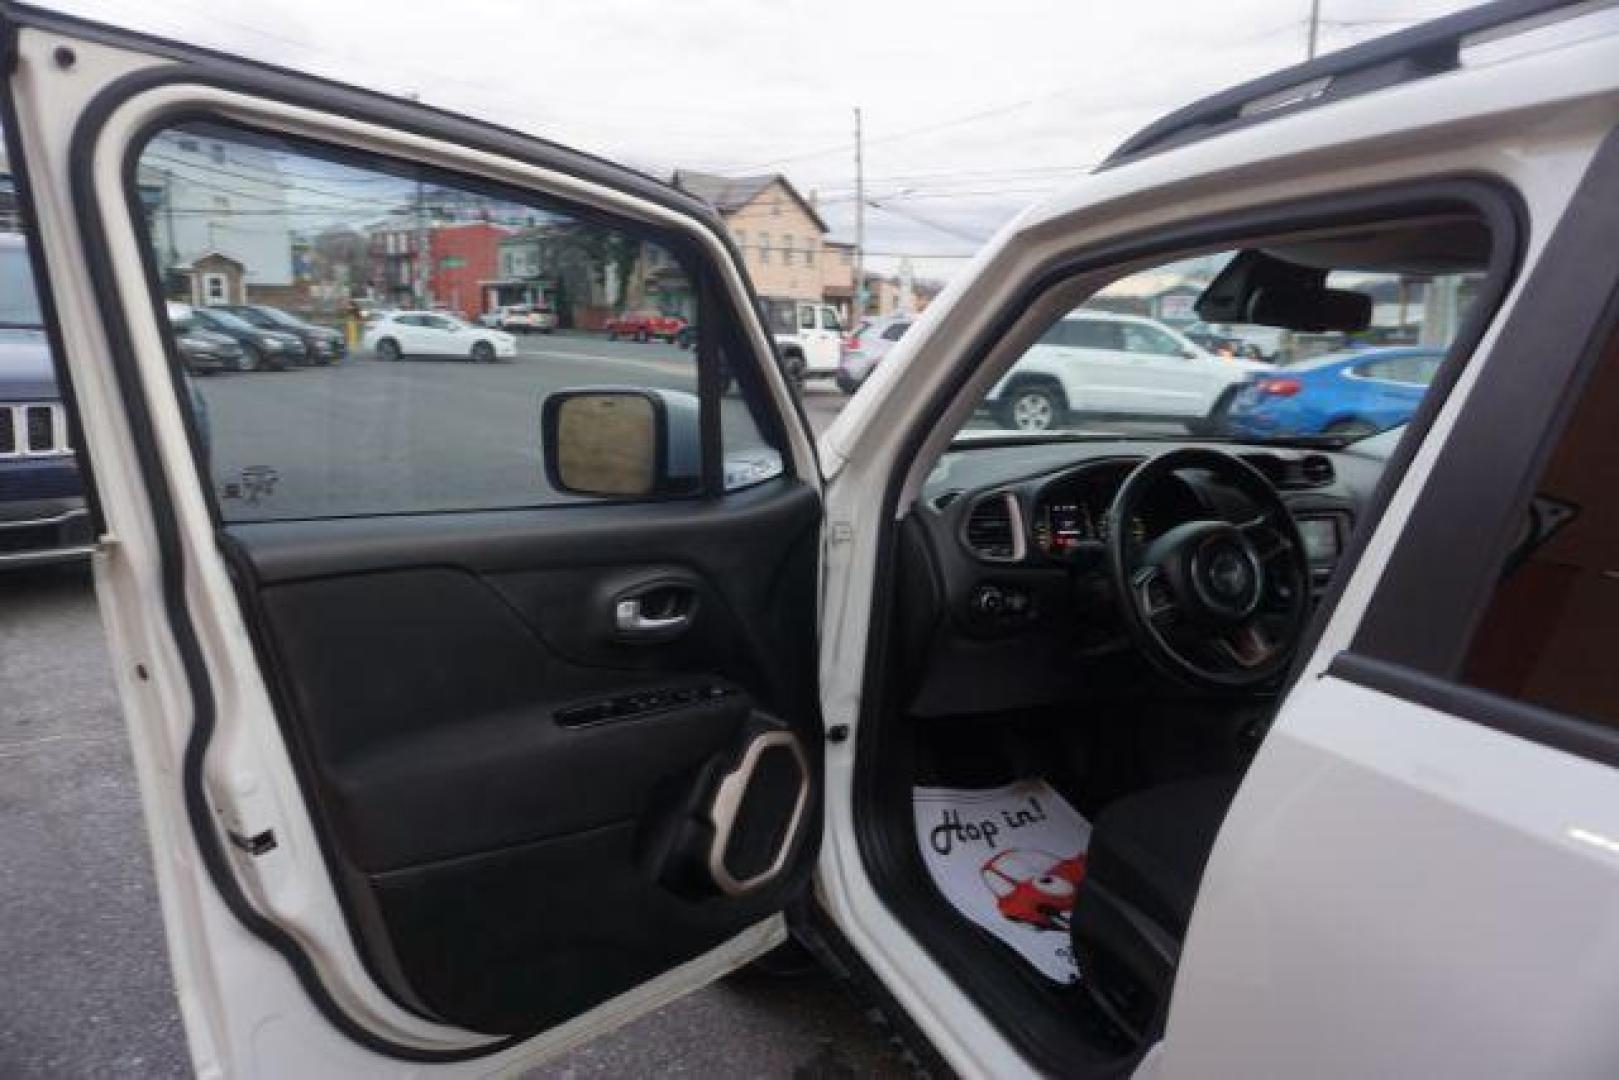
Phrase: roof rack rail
x=1417 y=53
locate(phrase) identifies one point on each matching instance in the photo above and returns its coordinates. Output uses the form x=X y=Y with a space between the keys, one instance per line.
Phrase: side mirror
x=618 y=442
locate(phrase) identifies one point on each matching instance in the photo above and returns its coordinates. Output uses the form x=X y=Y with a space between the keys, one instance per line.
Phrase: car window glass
x=226 y=320
x=19 y=305
x=895 y=332
x=829 y=319
x=1258 y=381
x=806 y=318
x=328 y=235
x=1408 y=370
x=1089 y=334
x=1547 y=634
x=1148 y=340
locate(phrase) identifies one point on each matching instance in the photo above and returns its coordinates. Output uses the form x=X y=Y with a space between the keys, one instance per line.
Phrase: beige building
x=781 y=237
x=837 y=277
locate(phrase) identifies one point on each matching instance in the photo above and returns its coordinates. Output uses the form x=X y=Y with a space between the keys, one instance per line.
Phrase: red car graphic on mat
x=1034 y=887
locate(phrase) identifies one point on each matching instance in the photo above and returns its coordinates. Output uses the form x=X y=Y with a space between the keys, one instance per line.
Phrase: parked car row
x=1103 y=365
x=250 y=337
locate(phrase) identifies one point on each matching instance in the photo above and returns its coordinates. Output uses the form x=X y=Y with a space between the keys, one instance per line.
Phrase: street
x=426 y=434
x=86 y=988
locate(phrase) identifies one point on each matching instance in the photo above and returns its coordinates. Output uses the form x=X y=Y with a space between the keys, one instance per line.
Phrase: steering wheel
x=1217 y=604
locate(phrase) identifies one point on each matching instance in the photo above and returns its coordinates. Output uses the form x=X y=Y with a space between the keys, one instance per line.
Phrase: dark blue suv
x=42 y=512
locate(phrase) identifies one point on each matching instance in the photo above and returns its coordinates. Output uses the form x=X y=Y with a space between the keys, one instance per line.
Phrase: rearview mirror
x=622 y=442
x=1259 y=288
x=1310 y=310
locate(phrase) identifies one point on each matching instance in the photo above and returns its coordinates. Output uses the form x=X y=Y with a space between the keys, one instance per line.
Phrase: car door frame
x=157 y=554
x=1379 y=726
x=993 y=344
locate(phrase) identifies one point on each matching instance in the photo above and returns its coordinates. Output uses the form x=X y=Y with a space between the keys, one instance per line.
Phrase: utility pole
x=421 y=247
x=168 y=218
x=420 y=285
x=1315 y=29
x=859 y=223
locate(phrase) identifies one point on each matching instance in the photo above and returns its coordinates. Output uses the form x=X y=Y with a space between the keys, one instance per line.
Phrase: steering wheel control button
x=1226 y=575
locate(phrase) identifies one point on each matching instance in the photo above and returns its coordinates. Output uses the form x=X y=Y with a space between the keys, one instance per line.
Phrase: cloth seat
x=1146 y=858
x=1149 y=848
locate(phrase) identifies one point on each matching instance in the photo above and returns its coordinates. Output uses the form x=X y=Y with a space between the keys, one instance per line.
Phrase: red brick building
x=463 y=254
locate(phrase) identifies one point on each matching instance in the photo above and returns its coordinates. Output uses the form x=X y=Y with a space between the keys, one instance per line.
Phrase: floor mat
x=1010 y=859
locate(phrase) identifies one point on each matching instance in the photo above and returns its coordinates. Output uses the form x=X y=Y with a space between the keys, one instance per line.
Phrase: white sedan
x=430 y=333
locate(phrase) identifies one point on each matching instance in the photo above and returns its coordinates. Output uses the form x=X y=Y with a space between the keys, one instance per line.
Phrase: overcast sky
x=972 y=107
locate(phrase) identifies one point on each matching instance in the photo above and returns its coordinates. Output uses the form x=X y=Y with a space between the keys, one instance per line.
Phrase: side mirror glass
x=622 y=442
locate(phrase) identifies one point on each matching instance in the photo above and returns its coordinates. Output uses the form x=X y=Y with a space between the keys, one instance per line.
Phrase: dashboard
x=1071 y=513
x=1006 y=600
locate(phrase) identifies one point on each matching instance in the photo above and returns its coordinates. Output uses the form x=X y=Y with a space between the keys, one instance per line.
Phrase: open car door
x=473 y=699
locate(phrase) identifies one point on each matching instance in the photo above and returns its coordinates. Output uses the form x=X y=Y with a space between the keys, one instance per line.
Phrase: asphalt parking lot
x=424 y=433
x=85 y=987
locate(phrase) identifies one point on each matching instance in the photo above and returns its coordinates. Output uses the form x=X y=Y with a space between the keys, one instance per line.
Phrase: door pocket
x=734 y=827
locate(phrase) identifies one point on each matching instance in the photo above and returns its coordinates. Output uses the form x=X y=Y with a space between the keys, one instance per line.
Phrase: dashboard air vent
x=1317 y=470
x=944 y=499
x=1294 y=474
x=994 y=529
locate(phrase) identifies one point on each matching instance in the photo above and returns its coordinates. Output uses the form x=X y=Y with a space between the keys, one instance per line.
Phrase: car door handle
x=660 y=612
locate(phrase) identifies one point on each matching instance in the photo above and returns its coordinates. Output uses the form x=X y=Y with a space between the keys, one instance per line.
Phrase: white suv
x=475 y=717
x=1099 y=364
x=525 y=318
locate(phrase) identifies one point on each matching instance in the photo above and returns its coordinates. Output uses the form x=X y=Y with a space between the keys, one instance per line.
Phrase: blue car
x=1352 y=394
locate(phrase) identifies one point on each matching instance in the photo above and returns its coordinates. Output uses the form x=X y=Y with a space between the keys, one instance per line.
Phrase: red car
x=1035 y=887
x=644 y=326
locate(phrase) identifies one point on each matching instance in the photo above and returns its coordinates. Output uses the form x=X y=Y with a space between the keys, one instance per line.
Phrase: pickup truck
x=644 y=326
x=807 y=335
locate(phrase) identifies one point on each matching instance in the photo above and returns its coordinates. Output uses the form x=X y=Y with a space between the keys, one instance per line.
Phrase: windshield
x=1139 y=360
x=19 y=306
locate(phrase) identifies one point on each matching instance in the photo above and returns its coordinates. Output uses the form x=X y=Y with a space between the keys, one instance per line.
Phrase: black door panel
x=514 y=790
x=495 y=540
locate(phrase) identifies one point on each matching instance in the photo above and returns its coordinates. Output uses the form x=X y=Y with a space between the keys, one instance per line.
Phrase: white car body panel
x=1477 y=828
x=820 y=343
x=1451 y=862
x=245 y=1012
x=1533 y=123
x=451 y=337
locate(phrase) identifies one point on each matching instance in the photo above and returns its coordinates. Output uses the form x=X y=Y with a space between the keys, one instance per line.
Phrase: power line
x=949 y=230
x=926 y=129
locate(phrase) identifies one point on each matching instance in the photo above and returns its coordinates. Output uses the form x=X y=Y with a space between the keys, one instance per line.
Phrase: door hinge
x=841 y=532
